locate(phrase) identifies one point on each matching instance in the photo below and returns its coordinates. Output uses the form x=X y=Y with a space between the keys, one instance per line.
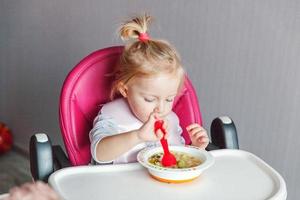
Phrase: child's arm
x=111 y=147
x=198 y=135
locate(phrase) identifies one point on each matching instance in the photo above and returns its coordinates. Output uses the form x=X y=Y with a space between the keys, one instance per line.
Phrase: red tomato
x=6 y=139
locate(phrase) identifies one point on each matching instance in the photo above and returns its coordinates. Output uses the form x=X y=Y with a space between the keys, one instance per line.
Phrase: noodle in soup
x=184 y=160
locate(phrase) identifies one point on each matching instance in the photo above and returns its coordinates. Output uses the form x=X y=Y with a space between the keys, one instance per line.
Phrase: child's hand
x=198 y=135
x=147 y=132
x=32 y=191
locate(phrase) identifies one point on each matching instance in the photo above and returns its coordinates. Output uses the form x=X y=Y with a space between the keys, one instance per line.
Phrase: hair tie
x=143 y=37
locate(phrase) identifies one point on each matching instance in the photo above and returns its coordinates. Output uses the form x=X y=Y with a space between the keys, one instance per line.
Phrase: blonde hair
x=144 y=57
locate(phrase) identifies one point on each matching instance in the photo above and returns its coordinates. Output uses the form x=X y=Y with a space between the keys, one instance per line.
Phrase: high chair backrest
x=87 y=87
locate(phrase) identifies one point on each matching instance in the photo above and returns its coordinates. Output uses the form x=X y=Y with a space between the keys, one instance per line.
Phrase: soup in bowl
x=191 y=162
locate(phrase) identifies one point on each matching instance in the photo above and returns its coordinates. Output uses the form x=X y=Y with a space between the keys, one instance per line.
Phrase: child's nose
x=160 y=107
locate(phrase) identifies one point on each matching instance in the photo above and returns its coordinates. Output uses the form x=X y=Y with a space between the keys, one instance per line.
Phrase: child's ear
x=123 y=89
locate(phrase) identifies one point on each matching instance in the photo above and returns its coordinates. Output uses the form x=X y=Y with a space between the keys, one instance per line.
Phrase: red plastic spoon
x=168 y=159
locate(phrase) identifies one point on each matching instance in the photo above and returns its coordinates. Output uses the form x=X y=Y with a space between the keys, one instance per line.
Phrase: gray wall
x=243 y=57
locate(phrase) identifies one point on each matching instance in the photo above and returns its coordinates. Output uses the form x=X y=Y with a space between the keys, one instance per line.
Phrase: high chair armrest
x=223 y=133
x=41 y=157
x=45 y=158
x=60 y=158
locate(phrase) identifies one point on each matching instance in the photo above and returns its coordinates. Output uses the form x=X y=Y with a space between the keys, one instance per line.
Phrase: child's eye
x=169 y=100
x=149 y=100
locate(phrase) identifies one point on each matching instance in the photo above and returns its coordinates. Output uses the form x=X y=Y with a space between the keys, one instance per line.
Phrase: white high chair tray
x=236 y=175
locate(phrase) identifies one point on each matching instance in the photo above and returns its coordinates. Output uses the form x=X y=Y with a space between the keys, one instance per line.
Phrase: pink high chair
x=85 y=89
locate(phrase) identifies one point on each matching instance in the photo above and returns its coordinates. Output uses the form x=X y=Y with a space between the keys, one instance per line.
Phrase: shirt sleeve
x=103 y=126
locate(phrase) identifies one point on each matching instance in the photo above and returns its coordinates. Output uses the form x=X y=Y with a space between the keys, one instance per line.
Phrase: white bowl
x=171 y=175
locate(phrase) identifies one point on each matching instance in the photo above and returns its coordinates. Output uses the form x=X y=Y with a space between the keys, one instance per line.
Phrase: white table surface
x=236 y=175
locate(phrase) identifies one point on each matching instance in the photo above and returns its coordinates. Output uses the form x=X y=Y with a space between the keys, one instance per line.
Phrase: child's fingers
x=203 y=139
x=28 y=187
x=192 y=126
x=155 y=113
x=203 y=142
x=15 y=193
x=151 y=120
x=18 y=192
x=152 y=117
x=43 y=187
x=165 y=124
x=46 y=189
x=198 y=136
x=197 y=130
x=167 y=135
x=203 y=145
x=159 y=134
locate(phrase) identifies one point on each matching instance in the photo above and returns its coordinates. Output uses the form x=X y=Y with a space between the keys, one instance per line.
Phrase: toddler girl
x=148 y=77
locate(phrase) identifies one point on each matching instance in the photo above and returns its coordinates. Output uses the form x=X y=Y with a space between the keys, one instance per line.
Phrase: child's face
x=144 y=95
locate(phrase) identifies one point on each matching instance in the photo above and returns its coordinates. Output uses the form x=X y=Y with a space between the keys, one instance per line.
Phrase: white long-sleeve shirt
x=116 y=117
